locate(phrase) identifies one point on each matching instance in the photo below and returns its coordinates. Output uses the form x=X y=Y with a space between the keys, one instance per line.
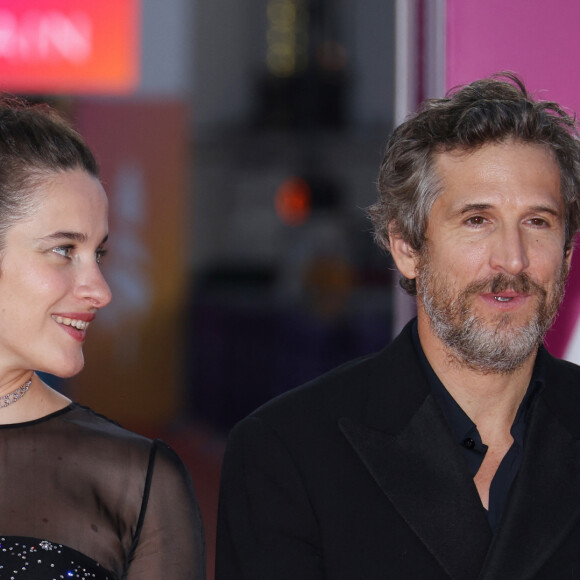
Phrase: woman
x=80 y=497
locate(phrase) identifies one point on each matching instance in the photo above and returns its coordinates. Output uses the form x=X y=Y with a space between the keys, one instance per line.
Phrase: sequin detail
x=31 y=558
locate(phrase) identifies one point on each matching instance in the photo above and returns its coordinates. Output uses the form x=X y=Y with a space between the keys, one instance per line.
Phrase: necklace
x=15 y=395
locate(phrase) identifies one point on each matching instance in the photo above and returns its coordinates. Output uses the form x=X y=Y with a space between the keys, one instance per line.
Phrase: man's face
x=492 y=275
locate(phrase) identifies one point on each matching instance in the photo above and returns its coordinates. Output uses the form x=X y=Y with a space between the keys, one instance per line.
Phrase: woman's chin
x=65 y=370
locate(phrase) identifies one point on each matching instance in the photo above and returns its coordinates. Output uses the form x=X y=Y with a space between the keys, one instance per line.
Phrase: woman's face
x=51 y=284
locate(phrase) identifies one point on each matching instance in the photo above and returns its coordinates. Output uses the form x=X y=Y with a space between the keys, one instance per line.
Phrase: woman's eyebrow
x=73 y=236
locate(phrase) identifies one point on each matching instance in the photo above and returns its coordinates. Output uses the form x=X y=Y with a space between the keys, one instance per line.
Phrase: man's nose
x=509 y=252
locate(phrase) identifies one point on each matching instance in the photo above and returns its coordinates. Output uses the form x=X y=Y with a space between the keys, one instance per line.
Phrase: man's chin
x=499 y=346
x=512 y=323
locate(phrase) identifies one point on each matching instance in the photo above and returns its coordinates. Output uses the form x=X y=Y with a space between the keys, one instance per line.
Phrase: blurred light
x=66 y=46
x=287 y=37
x=331 y=56
x=293 y=201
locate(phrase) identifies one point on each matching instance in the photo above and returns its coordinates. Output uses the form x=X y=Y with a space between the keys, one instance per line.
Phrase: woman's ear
x=405 y=257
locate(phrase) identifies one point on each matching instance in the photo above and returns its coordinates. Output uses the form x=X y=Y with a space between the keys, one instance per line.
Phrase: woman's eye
x=538 y=222
x=100 y=254
x=64 y=251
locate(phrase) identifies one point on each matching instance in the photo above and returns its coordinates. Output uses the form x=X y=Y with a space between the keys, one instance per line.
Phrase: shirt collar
x=461 y=425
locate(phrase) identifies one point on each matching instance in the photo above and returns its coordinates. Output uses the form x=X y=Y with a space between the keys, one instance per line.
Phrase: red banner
x=67 y=46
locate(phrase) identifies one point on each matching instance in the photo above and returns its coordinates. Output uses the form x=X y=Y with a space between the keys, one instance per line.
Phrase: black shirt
x=467 y=436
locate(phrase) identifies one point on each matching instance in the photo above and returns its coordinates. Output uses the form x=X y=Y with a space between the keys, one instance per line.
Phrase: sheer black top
x=81 y=497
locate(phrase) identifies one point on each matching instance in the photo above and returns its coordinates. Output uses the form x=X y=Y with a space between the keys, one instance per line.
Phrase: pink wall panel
x=540 y=41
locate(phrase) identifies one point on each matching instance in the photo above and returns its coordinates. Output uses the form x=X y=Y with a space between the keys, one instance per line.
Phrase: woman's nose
x=93 y=287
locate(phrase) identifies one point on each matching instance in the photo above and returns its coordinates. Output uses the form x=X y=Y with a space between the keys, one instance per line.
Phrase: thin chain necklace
x=15 y=395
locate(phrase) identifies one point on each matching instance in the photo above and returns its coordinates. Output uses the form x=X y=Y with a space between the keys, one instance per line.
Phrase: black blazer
x=356 y=476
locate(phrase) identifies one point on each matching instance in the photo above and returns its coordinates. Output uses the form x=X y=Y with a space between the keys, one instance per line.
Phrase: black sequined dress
x=81 y=497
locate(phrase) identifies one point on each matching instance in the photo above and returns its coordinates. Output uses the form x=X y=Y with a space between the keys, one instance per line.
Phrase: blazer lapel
x=543 y=505
x=406 y=445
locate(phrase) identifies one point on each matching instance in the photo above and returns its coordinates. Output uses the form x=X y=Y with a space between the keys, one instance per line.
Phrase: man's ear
x=405 y=257
x=568 y=255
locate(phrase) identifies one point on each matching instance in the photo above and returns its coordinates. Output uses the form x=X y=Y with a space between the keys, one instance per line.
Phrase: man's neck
x=490 y=399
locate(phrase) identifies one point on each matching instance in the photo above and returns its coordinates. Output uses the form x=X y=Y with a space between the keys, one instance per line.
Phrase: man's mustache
x=521 y=283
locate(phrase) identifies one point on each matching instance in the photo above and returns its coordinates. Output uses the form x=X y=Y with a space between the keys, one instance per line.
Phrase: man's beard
x=496 y=346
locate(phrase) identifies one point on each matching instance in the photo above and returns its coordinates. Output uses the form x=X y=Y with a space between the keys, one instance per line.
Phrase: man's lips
x=509 y=295
x=505 y=298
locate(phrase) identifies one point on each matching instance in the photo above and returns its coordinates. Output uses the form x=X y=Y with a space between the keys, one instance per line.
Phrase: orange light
x=67 y=46
x=293 y=201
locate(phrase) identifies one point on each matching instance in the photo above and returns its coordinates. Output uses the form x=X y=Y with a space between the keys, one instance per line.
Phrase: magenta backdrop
x=539 y=40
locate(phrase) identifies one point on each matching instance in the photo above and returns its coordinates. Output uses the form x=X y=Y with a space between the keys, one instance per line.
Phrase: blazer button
x=469 y=443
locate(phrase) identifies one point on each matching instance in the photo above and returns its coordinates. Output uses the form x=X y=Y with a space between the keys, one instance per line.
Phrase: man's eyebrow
x=547 y=209
x=470 y=207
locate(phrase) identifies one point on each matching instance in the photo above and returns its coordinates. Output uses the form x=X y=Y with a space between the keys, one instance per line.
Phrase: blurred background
x=239 y=144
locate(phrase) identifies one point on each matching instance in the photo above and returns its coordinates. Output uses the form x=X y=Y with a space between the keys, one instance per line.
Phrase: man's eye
x=476 y=220
x=64 y=251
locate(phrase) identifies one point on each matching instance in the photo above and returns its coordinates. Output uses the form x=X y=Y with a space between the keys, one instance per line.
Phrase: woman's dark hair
x=35 y=142
x=492 y=110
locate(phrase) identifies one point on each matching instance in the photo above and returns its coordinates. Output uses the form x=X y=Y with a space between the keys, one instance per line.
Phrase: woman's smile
x=50 y=271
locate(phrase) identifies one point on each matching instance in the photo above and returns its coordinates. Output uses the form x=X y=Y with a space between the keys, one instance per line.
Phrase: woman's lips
x=75 y=324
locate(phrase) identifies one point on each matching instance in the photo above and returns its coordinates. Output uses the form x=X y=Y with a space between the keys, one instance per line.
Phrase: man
x=455 y=452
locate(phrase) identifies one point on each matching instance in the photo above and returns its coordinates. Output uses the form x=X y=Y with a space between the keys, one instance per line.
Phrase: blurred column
x=419 y=74
x=135 y=347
